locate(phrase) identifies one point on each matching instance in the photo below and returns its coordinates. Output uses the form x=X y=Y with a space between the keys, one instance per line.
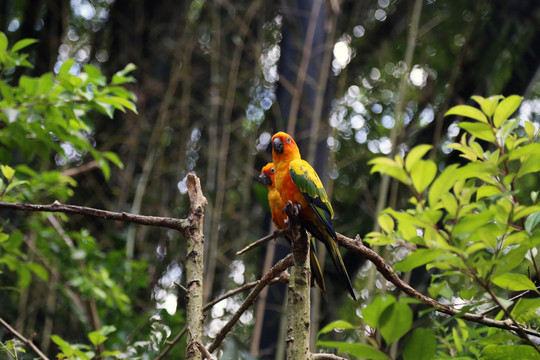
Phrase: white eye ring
x=288 y=140
x=272 y=170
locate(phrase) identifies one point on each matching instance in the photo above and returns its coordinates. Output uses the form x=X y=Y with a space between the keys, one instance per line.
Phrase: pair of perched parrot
x=289 y=178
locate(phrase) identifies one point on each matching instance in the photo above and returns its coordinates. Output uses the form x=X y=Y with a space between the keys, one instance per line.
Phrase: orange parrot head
x=284 y=147
x=267 y=174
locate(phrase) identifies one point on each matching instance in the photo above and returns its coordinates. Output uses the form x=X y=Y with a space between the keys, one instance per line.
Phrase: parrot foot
x=295 y=208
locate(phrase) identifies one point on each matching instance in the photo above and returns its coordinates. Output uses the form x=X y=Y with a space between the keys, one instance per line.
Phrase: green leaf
x=113 y=157
x=7 y=171
x=417 y=258
x=467 y=111
x=416 y=154
x=21 y=44
x=479 y=130
x=338 y=324
x=531 y=222
x=514 y=282
x=38 y=270
x=395 y=321
x=390 y=167
x=129 y=68
x=487 y=105
x=530 y=129
x=96 y=338
x=506 y=352
x=3 y=41
x=487 y=191
x=505 y=109
x=422 y=174
x=362 y=351
x=526 y=310
x=421 y=345
x=442 y=184
x=386 y=222
x=64 y=69
x=373 y=311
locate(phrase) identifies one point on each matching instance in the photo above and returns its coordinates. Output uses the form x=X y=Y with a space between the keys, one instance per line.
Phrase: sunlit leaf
x=65 y=68
x=479 y=130
x=390 y=167
x=443 y=183
x=416 y=154
x=530 y=130
x=422 y=174
x=467 y=111
x=505 y=109
x=386 y=222
x=7 y=171
x=21 y=44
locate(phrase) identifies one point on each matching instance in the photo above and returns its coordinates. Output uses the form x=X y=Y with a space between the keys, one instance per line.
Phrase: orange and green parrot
x=297 y=181
x=279 y=219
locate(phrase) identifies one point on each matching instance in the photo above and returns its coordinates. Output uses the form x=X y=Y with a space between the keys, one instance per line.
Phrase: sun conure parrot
x=297 y=181
x=278 y=217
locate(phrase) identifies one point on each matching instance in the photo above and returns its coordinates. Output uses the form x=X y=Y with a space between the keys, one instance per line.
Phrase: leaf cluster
x=475 y=229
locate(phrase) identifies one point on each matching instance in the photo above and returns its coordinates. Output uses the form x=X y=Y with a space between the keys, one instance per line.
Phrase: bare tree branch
x=194 y=267
x=283 y=278
x=23 y=339
x=181 y=225
x=263 y=240
x=321 y=356
x=204 y=351
x=272 y=273
x=386 y=270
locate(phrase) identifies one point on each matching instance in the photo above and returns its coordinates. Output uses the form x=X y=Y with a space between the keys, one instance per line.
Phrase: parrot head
x=284 y=145
x=267 y=174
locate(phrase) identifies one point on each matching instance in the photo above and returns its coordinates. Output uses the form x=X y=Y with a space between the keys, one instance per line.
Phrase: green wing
x=308 y=183
x=320 y=226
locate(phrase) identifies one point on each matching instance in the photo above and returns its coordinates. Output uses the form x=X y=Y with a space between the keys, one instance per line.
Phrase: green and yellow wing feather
x=308 y=183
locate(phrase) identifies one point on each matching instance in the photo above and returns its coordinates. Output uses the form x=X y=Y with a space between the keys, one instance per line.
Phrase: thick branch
x=194 y=268
x=181 y=225
x=298 y=317
x=386 y=270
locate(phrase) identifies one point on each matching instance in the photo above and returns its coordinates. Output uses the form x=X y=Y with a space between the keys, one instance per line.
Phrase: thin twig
x=284 y=277
x=204 y=351
x=276 y=269
x=321 y=356
x=263 y=240
x=23 y=339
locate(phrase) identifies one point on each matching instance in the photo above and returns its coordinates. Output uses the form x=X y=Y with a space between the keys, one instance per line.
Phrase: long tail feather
x=316 y=271
x=338 y=262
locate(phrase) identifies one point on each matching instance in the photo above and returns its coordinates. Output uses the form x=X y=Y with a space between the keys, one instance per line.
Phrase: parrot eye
x=272 y=170
x=288 y=140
